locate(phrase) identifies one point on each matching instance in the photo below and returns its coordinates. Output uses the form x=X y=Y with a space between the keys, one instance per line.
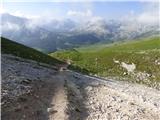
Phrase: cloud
x=84 y=16
x=10 y=26
x=2 y=10
x=21 y=14
x=88 y=21
x=16 y=13
x=79 y=16
x=87 y=13
x=149 y=16
x=46 y=17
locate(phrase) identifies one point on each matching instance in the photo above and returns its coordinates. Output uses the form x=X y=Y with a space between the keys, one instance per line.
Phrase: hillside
x=31 y=91
x=136 y=61
x=10 y=47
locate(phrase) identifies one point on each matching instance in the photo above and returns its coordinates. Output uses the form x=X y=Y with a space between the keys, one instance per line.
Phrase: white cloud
x=91 y=22
x=88 y=21
x=21 y=14
x=84 y=16
x=2 y=10
x=16 y=13
x=149 y=16
x=10 y=26
x=45 y=18
x=87 y=13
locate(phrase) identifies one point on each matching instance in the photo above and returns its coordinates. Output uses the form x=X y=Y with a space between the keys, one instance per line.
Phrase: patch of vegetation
x=10 y=47
x=145 y=54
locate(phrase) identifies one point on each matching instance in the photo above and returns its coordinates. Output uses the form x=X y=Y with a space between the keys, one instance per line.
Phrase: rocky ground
x=113 y=100
x=33 y=91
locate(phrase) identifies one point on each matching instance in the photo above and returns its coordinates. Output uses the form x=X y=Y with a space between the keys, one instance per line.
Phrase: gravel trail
x=31 y=91
x=34 y=91
x=117 y=100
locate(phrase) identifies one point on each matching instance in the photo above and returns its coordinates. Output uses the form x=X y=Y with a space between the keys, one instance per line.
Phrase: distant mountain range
x=64 y=34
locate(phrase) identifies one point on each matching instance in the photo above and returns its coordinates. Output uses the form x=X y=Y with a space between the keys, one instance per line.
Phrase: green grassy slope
x=136 y=45
x=145 y=54
x=10 y=47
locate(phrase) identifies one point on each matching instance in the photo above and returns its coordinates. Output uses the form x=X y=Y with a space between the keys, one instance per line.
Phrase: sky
x=103 y=9
x=80 y=10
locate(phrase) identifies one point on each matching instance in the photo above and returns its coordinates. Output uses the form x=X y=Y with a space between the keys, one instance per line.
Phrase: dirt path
x=60 y=101
x=34 y=92
x=31 y=92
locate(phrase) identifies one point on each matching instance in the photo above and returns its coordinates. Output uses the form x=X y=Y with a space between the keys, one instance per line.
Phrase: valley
x=34 y=88
x=80 y=60
x=31 y=91
x=136 y=61
x=54 y=35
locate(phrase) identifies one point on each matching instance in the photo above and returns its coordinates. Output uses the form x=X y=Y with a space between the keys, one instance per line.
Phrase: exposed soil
x=34 y=92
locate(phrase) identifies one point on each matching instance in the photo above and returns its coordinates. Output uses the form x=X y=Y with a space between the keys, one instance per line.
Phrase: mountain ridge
x=66 y=34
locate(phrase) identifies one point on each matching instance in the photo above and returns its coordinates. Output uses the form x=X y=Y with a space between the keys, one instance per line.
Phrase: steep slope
x=10 y=47
x=30 y=86
x=137 y=61
x=31 y=90
x=23 y=31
